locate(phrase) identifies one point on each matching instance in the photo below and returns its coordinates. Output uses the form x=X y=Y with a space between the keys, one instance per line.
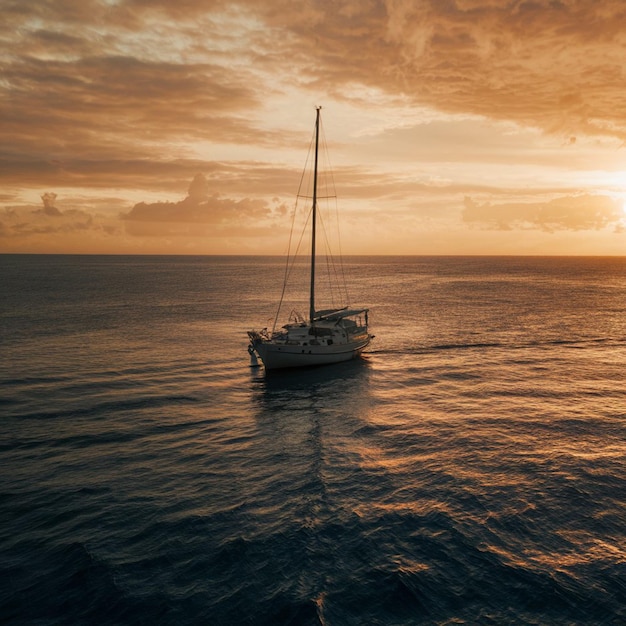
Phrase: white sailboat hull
x=281 y=355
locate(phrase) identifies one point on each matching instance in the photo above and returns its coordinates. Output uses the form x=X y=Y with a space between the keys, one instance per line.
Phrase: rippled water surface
x=469 y=469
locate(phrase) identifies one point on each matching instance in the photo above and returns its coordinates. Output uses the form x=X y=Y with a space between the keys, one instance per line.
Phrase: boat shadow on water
x=310 y=377
x=337 y=388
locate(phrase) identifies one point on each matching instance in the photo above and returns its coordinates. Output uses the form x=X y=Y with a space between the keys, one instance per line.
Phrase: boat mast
x=312 y=296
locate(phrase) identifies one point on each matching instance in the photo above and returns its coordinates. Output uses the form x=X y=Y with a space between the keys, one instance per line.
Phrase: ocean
x=470 y=468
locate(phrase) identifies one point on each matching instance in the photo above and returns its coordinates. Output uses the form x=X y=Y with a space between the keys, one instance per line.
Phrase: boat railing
x=296 y=317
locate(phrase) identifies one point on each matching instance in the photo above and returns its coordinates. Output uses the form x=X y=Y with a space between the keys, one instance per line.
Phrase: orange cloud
x=114 y=98
x=583 y=212
x=551 y=64
x=201 y=214
x=93 y=79
x=22 y=223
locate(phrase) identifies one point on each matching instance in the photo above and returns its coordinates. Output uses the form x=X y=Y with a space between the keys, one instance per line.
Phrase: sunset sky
x=182 y=126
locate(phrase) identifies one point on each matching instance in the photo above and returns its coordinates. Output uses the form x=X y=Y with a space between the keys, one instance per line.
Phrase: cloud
x=20 y=223
x=109 y=79
x=48 y=204
x=134 y=97
x=583 y=212
x=201 y=214
x=99 y=82
x=551 y=64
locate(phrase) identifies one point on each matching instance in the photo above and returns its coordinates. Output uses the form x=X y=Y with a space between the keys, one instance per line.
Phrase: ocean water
x=469 y=469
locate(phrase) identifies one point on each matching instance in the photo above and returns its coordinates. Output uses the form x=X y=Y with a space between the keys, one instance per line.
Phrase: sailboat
x=328 y=336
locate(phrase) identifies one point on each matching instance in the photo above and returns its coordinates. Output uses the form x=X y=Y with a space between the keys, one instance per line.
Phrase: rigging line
x=334 y=280
x=336 y=286
x=329 y=175
x=341 y=280
x=337 y=258
x=291 y=262
x=335 y=265
x=329 y=261
x=288 y=269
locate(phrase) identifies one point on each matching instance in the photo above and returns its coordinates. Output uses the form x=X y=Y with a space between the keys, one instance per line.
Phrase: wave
x=426 y=348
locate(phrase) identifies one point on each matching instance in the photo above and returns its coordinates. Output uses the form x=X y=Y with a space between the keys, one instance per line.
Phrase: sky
x=182 y=127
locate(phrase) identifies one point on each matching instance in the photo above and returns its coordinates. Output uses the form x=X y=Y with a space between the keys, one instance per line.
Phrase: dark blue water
x=470 y=469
